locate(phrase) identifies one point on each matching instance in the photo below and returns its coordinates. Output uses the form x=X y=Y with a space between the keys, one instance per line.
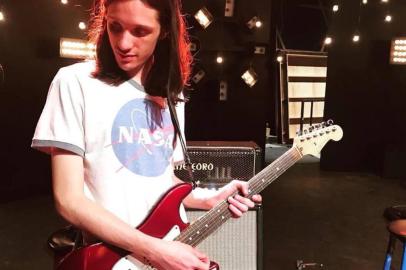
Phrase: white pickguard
x=130 y=263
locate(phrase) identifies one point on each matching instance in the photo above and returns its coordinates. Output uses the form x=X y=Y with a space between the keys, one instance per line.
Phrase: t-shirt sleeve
x=178 y=153
x=61 y=121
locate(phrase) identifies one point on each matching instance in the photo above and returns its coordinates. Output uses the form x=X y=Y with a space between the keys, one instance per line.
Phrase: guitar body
x=163 y=222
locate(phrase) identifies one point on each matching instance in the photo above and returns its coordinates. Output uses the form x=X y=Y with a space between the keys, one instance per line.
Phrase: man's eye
x=140 y=32
x=114 y=27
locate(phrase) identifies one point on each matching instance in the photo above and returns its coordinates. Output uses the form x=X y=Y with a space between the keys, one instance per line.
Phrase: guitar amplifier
x=237 y=245
x=216 y=163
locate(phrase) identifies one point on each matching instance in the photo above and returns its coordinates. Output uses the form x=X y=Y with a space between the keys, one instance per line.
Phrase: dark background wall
x=29 y=49
x=242 y=116
x=365 y=94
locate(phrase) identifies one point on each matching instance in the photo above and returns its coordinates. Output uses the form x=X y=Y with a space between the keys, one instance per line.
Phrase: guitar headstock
x=313 y=139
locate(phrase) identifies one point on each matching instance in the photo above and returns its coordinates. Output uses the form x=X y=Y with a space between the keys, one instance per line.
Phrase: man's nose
x=125 y=42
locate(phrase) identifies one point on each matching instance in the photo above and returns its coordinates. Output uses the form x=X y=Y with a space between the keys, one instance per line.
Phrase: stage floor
x=333 y=218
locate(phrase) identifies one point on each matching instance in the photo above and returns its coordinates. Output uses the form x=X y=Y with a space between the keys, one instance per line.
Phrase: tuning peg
x=330 y=122
x=311 y=128
x=305 y=131
x=298 y=132
x=323 y=124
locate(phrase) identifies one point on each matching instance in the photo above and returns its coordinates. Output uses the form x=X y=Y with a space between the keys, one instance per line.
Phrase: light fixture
x=335 y=8
x=384 y=1
x=76 y=48
x=258 y=24
x=82 y=26
x=279 y=58
x=398 y=51
x=388 y=18
x=219 y=59
x=204 y=17
x=328 y=40
x=254 y=22
x=2 y=18
x=198 y=76
x=365 y=2
x=250 y=77
x=229 y=9
x=192 y=47
x=223 y=90
x=65 y=2
x=355 y=38
x=259 y=50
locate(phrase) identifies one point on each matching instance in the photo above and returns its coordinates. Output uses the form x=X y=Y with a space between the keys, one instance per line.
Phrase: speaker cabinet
x=237 y=245
x=216 y=163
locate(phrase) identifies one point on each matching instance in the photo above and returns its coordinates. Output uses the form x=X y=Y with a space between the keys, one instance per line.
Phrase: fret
x=218 y=215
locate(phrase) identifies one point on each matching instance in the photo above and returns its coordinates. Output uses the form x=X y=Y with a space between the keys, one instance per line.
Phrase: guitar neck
x=218 y=215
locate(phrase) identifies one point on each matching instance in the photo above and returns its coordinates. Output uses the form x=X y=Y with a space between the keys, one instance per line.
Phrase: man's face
x=133 y=29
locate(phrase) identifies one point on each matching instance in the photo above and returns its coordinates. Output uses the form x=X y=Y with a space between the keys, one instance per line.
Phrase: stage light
x=229 y=10
x=223 y=90
x=219 y=59
x=328 y=40
x=250 y=77
x=384 y=1
x=76 y=48
x=335 y=8
x=204 y=17
x=388 y=18
x=198 y=76
x=398 y=51
x=258 y=24
x=259 y=50
x=65 y=2
x=254 y=22
x=365 y=2
x=355 y=38
x=82 y=26
x=2 y=18
x=192 y=47
x=279 y=58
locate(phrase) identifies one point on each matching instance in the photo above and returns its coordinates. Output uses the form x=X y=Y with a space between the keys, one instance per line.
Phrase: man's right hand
x=167 y=255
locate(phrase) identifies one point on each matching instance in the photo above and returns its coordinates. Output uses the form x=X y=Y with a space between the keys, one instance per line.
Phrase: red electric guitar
x=164 y=220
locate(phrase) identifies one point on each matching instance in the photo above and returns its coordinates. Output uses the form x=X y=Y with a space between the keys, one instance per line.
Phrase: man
x=108 y=129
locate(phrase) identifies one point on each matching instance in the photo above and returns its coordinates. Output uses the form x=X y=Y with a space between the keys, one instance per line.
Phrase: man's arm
x=76 y=208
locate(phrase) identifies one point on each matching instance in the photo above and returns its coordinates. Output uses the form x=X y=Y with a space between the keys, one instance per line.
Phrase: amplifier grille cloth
x=220 y=166
x=234 y=245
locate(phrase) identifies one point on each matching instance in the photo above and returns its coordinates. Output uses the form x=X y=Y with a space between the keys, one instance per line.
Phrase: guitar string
x=226 y=214
x=256 y=185
x=222 y=209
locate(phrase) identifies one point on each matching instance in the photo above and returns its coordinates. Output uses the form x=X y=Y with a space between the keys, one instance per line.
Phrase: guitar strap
x=178 y=132
x=175 y=123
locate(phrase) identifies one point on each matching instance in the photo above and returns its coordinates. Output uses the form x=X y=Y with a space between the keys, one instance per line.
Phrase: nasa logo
x=142 y=136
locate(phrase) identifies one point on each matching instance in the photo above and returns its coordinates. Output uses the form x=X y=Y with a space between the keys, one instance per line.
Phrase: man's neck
x=141 y=74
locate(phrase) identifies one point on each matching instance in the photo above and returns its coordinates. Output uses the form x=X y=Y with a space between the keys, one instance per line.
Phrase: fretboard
x=218 y=215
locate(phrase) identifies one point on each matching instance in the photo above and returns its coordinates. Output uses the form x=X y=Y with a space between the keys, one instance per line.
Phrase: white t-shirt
x=124 y=136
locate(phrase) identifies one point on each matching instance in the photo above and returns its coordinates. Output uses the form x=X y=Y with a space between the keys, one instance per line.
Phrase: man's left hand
x=239 y=203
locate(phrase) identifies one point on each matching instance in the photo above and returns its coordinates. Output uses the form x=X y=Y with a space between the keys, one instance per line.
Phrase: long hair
x=172 y=58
